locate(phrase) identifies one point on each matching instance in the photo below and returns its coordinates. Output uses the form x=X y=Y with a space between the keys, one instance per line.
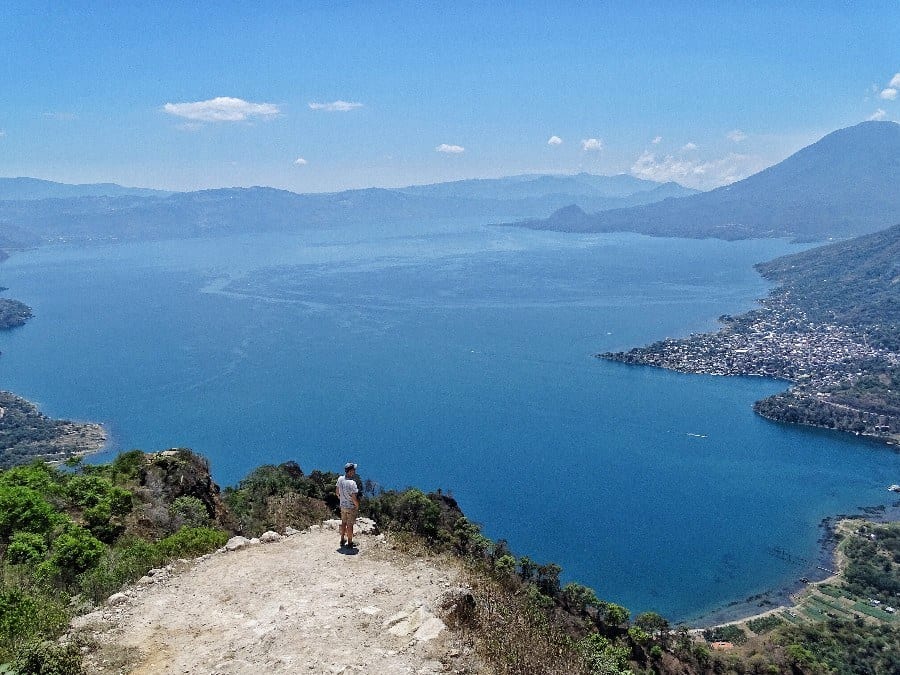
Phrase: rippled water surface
x=458 y=357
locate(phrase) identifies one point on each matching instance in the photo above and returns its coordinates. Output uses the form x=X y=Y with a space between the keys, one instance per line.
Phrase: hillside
x=24 y=188
x=854 y=283
x=122 y=215
x=846 y=184
x=831 y=328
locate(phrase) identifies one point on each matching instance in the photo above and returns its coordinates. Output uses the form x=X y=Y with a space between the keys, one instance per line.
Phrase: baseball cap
x=349 y=465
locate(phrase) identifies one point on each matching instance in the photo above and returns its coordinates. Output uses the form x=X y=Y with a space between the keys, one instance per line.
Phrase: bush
x=26 y=548
x=26 y=615
x=48 y=658
x=192 y=541
x=22 y=508
x=189 y=511
x=38 y=476
x=127 y=562
x=73 y=552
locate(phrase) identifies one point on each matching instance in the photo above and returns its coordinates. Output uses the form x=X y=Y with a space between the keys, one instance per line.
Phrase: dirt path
x=298 y=605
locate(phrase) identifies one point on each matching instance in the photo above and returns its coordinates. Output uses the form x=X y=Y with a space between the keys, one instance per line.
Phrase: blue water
x=457 y=356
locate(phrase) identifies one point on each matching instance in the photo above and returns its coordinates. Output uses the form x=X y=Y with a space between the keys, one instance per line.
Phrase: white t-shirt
x=347 y=487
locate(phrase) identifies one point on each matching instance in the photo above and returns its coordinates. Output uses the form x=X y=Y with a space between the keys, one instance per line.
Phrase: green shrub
x=38 y=476
x=24 y=509
x=73 y=551
x=189 y=511
x=126 y=562
x=48 y=658
x=192 y=541
x=127 y=466
x=26 y=615
x=26 y=548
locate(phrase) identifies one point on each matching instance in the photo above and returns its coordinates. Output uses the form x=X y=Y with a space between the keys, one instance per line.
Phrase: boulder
x=116 y=599
x=270 y=537
x=237 y=543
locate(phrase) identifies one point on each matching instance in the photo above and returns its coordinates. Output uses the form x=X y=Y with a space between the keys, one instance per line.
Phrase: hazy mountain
x=846 y=184
x=533 y=185
x=34 y=188
x=190 y=214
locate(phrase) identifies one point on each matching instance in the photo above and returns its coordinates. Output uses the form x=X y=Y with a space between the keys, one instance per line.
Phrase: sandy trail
x=294 y=606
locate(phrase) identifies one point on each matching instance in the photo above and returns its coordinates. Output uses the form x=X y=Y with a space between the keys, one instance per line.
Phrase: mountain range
x=37 y=211
x=846 y=184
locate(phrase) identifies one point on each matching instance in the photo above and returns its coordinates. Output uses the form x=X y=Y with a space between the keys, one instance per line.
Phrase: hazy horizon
x=322 y=98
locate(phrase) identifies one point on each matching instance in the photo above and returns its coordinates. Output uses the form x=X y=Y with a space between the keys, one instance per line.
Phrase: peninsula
x=831 y=329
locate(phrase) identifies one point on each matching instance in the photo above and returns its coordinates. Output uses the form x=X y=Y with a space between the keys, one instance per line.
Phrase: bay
x=458 y=356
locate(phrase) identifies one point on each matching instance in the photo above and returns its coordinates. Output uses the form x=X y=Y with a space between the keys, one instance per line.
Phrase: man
x=346 y=492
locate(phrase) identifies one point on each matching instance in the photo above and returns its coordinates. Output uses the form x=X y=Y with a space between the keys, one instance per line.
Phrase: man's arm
x=355 y=497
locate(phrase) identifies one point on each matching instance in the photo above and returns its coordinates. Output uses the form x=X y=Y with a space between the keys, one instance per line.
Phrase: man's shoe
x=343 y=542
x=352 y=544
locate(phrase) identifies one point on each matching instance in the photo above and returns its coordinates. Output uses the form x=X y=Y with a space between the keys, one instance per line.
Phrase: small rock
x=290 y=531
x=269 y=537
x=364 y=526
x=371 y=610
x=116 y=599
x=144 y=580
x=255 y=541
x=237 y=543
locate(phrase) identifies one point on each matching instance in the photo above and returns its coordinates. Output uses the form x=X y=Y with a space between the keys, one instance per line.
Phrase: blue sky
x=321 y=96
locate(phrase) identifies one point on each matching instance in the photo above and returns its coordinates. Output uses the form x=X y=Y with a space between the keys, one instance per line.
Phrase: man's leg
x=351 y=521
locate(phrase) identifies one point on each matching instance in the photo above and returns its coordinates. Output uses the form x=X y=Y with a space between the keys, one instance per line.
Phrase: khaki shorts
x=348 y=516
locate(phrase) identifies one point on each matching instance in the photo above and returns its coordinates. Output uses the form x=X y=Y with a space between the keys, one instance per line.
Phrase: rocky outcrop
x=180 y=472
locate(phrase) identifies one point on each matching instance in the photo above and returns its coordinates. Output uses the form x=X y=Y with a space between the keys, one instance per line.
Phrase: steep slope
x=846 y=184
x=853 y=283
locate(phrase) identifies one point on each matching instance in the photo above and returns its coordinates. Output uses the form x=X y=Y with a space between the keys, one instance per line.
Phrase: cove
x=458 y=356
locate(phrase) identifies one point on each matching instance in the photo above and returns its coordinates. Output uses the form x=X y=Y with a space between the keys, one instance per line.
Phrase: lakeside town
x=824 y=362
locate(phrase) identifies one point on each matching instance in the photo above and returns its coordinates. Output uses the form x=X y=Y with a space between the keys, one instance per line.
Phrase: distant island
x=831 y=329
x=13 y=313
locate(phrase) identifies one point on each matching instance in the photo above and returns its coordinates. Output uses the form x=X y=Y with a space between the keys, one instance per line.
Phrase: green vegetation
x=26 y=434
x=13 y=313
x=69 y=539
x=764 y=624
x=69 y=535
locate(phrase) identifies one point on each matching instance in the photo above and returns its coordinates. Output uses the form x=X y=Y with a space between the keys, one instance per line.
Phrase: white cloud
x=895 y=82
x=554 y=140
x=694 y=173
x=687 y=147
x=335 y=106
x=656 y=140
x=877 y=116
x=2 y=133
x=450 y=149
x=737 y=136
x=300 y=162
x=594 y=144
x=888 y=94
x=222 y=109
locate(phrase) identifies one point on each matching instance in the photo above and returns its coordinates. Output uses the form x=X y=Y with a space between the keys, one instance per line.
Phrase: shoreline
x=827 y=567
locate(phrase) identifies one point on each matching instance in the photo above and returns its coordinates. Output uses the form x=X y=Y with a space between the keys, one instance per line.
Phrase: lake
x=458 y=356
